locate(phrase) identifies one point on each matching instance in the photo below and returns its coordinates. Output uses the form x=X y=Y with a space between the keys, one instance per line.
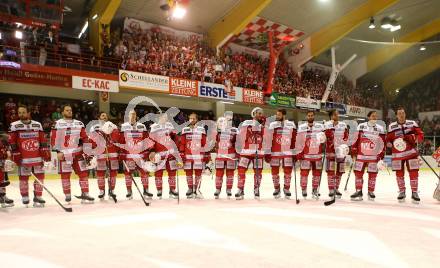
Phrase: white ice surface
x=224 y=233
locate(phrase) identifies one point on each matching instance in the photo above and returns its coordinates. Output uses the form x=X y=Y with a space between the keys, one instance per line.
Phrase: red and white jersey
x=104 y=142
x=68 y=136
x=226 y=143
x=164 y=140
x=134 y=139
x=336 y=135
x=283 y=138
x=308 y=143
x=411 y=130
x=370 y=143
x=192 y=143
x=28 y=139
x=250 y=139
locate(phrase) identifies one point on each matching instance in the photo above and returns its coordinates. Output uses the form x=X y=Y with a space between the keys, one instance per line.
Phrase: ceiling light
x=422 y=48
x=397 y=90
x=84 y=28
x=372 y=25
x=179 y=12
x=19 y=34
x=386 y=23
x=395 y=28
x=94 y=17
x=0 y=35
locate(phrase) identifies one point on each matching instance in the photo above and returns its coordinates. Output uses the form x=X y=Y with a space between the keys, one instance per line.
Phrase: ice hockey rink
x=225 y=233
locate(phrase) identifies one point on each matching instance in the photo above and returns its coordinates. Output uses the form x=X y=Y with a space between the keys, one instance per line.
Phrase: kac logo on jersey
x=31 y=145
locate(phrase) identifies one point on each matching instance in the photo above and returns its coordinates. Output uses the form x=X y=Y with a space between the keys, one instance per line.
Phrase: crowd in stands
x=44 y=46
x=162 y=53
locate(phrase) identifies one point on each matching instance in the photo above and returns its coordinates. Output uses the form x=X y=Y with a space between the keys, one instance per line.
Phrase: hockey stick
x=135 y=184
x=322 y=168
x=108 y=171
x=178 y=189
x=66 y=209
x=296 y=191
x=333 y=200
x=349 y=174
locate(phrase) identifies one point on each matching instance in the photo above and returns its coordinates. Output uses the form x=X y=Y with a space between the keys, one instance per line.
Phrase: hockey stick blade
x=4 y=184
x=66 y=209
x=330 y=202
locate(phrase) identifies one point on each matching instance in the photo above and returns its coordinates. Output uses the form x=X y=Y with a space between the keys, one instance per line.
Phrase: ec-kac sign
x=96 y=84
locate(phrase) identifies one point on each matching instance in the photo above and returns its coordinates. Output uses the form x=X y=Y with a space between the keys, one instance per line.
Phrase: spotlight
x=372 y=25
x=422 y=48
x=397 y=90
x=395 y=28
x=178 y=12
x=94 y=17
x=84 y=28
x=386 y=23
x=19 y=34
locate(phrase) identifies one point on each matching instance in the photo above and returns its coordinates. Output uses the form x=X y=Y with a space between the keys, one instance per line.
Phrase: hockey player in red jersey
x=309 y=143
x=249 y=146
x=226 y=155
x=164 y=152
x=134 y=139
x=283 y=135
x=336 y=133
x=30 y=149
x=404 y=135
x=191 y=147
x=67 y=138
x=368 y=150
x=5 y=166
x=104 y=137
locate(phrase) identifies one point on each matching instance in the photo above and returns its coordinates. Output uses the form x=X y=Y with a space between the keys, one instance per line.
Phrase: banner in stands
x=237 y=49
x=253 y=96
x=34 y=77
x=88 y=83
x=308 y=103
x=133 y=25
x=356 y=111
x=216 y=91
x=183 y=87
x=281 y=100
x=144 y=81
x=341 y=108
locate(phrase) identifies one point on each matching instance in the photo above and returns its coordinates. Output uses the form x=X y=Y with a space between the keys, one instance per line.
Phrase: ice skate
x=129 y=195
x=112 y=195
x=228 y=193
x=287 y=193
x=174 y=194
x=217 y=194
x=25 y=200
x=68 y=198
x=5 y=202
x=159 y=194
x=401 y=197
x=86 y=198
x=101 y=195
x=304 y=194
x=338 y=194
x=371 y=196
x=198 y=194
x=239 y=195
x=357 y=196
x=315 y=194
x=415 y=198
x=257 y=194
x=147 y=194
x=190 y=194
x=39 y=202
x=277 y=194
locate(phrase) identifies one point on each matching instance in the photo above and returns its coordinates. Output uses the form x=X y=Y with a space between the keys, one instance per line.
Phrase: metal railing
x=59 y=57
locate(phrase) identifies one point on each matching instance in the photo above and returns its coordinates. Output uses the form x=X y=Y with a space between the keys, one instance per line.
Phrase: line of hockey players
x=161 y=148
